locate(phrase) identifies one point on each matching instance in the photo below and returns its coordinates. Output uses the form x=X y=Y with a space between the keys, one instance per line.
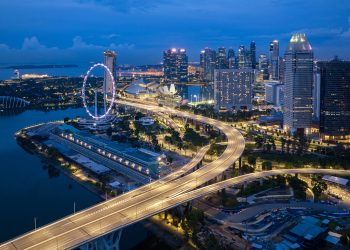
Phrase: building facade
x=175 y=65
x=221 y=61
x=264 y=66
x=110 y=60
x=208 y=64
x=253 y=54
x=297 y=115
x=231 y=59
x=274 y=60
x=274 y=93
x=244 y=58
x=334 y=99
x=233 y=89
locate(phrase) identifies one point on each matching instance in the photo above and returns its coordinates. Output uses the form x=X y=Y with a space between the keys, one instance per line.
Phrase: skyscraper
x=334 y=99
x=231 y=59
x=264 y=66
x=253 y=54
x=244 y=58
x=298 y=85
x=208 y=63
x=175 y=65
x=110 y=60
x=274 y=60
x=233 y=89
x=221 y=62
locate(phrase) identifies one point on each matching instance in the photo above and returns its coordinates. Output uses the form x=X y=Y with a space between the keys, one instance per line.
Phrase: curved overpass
x=149 y=200
x=134 y=206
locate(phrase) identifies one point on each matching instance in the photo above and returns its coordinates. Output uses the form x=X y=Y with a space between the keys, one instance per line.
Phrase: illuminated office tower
x=233 y=89
x=231 y=59
x=264 y=66
x=208 y=63
x=298 y=85
x=274 y=60
x=221 y=62
x=334 y=78
x=175 y=65
x=253 y=54
x=244 y=58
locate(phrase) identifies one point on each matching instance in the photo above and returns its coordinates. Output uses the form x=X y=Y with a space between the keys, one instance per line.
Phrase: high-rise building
x=231 y=59
x=274 y=60
x=110 y=60
x=298 y=85
x=334 y=99
x=274 y=93
x=264 y=66
x=233 y=89
x=208 y=63
x=175 y=65
x=253 y=54
x=244 y=58
x=221 y=62
x=316 y=94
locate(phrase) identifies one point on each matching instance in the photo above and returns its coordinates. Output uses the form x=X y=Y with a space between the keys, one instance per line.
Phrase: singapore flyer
x=106 y=113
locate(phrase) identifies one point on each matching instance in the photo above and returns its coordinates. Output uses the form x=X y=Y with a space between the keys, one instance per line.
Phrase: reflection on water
x=31 y=187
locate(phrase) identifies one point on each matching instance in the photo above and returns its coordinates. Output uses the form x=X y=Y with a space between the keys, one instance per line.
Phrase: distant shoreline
x=46 y=66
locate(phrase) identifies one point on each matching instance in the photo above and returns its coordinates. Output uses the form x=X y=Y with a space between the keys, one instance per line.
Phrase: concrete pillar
x=107 y=242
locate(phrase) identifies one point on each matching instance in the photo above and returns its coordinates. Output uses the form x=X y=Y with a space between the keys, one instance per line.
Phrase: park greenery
x=209 y=111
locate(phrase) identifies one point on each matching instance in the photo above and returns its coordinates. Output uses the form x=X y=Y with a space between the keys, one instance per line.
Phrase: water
x=195 y=93
x=6 y=74
x=27 y=190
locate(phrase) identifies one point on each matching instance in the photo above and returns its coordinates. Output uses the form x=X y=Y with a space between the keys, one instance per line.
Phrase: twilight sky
x=77 y=31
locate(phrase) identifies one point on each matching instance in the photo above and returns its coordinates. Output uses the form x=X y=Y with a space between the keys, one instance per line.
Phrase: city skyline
x=141 y=31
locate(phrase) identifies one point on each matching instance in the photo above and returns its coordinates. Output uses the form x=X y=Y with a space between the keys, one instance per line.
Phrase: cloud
x=126 y=6
x=110 y=36
x=79 y=44
x=346 y=33
x=33 y=51
x=32 y=43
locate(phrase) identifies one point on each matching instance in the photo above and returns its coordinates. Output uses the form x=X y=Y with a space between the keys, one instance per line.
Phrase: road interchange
x=150 y=199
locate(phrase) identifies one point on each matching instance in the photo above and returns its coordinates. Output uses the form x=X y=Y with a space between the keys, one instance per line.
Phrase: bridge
x=10 y=102
x=171 y=191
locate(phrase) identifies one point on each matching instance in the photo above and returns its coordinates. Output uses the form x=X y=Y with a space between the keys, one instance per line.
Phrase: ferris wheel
x=104 y=91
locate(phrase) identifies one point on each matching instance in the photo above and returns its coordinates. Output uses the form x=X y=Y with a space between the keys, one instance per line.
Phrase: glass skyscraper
x=334 y=99
x=253 y=54
x=208 y=63
x=298 y=85
x=221 y=62
x=244 y=58
x=231 y=59
x=274 y=60
x=175 y=65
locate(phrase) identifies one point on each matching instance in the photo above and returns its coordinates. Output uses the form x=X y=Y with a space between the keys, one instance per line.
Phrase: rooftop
x=299 y=43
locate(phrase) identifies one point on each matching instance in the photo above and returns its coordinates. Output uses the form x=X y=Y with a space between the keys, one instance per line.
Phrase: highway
x=131 y=207
x=149 y=200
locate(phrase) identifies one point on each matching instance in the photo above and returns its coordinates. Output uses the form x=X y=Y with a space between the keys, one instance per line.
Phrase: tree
x=247 y=169
x=66 y=119
x=252 y=160
x=283 y=144
x=298 y=186
x=266 y=165
x=318 y=186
